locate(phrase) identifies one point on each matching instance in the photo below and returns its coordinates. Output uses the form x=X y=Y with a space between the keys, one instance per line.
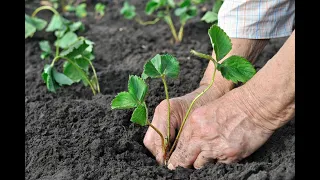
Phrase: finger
x=203 y=158
x=152 y=139
x=185 y=154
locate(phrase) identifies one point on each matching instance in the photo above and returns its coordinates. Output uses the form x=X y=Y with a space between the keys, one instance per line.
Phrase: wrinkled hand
x=221 y=131
x=179 y=107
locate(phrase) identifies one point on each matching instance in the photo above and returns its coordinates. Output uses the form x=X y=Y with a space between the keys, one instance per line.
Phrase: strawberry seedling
x=234 y=68
x=212 y=16
x=76 y=51
x=99 y=10
x=185 y=10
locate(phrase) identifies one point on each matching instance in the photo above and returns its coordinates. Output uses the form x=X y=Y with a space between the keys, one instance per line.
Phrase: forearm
x=270 y=94
x=248 y=48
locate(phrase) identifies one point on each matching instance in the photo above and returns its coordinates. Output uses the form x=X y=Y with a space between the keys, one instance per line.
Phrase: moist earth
x=73 y=135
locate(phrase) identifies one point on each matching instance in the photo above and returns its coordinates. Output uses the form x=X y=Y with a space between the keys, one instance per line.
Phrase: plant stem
x=45 y=8
x=180 y=35
x=78 y=68
x=172 y=28
x=94 y=72
x=57 y=51
x=167 y=97
x=140 y=21
x=195 y=99
x=160 y=134
x=35 y=12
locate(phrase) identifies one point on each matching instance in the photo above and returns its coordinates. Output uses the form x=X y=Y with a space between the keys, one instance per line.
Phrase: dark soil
x=72 y=135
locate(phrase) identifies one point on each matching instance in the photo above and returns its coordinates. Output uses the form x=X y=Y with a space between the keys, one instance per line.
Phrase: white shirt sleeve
x=257 y=19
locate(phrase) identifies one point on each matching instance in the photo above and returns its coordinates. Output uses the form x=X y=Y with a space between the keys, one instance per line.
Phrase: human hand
x=222 y=131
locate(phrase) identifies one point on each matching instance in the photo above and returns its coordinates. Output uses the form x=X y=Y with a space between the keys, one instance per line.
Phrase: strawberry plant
x=99 y=10
x=185 y=10
x=234 y=68
x=80 y=9
x=76 y=51
x=212 y=16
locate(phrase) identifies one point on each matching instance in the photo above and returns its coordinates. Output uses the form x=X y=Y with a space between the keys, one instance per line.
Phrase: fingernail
x=170 y=166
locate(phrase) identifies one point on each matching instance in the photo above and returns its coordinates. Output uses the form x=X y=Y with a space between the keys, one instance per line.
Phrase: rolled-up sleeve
x=257 y=19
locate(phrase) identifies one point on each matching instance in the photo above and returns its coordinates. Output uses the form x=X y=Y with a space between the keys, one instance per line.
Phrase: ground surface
x=71 y=135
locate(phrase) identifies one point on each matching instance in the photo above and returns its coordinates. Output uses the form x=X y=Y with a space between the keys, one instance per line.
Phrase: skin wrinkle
x=226 y=128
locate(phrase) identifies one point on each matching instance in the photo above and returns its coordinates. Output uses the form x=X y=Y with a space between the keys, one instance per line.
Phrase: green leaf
x=60 y=33
x=171 y=3
x=137 y=88
x=56 y=23
x=68 y=39
x=236 y=68
x=180 y=11
x=61 y=78
x=162 y=65
x=69 y=8
x=72 y=71
x=29 y=30
x=185 y=3
x=45 y=46
x=75 y=49
x=220 y=41
x=210 y=17
x=151 y=7
x=123 y=100
x=83 y=63
x=76 y=26
x=217 y=5
x=99 y=8
x=128 y=11
x=81 y=10
x=38 y=23
x=48 y=79
x=139 y=115
x=44 y=55
x=170 y=66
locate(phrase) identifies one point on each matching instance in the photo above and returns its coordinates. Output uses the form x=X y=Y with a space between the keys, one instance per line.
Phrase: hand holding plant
x=234 y=68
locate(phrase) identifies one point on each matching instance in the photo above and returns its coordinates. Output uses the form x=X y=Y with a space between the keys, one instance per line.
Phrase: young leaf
x=76 y=26
x=61 y=78
x=75 y=49
x=47 y=77
x=45 y=46
x=137 y=88
x=81 y=10
x=56 y=23
x=161 y=65
x=139 y=115
x=29 y=30
x=210 y=17
x=123 y=100
x=38 y=23
x=99 y=8
x=128 y=11
x=236 y=68
x=68 y=39
x=220 y=41
x=151 y=7
x=171 y=3
x=75 y=72
x=217 y=5
x=60 y=33
x=46 y=49
x=69 y=8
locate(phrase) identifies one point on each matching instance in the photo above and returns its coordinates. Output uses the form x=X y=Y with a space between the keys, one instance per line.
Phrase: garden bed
x=74 y=135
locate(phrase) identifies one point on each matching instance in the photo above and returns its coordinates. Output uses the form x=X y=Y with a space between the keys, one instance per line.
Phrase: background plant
x=162 y=9
x=76 y=51
x=212 y=16
x=99 y=10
